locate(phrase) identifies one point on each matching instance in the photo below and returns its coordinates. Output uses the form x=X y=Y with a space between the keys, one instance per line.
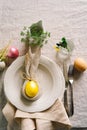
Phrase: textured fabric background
x=61 y=18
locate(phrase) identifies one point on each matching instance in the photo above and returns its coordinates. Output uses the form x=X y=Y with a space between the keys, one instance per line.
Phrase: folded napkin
x=54 y=118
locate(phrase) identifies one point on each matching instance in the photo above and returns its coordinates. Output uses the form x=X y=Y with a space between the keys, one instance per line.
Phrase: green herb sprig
x=34 y=35
x=62 y=43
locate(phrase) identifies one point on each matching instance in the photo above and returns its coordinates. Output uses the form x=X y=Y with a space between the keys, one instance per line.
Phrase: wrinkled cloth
x=53 y=118
x=32 y=59
x=62 y=18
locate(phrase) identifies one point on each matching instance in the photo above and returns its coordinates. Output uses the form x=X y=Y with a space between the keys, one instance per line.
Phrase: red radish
x=13 y=52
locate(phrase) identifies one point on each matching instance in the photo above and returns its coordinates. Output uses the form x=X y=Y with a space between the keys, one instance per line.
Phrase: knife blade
x=66 y=88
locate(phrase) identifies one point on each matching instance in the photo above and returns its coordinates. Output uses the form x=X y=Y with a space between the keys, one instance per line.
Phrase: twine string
x=25 y=76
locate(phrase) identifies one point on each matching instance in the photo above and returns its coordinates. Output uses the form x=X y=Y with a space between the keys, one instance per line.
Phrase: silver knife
x=66 y=87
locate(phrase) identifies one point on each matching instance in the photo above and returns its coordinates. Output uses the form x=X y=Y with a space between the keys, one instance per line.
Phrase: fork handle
x=72 y=103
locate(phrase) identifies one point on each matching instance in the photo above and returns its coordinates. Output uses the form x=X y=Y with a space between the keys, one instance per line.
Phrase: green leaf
x=64 y=43
x=22 y=39
x=63 y=39
x=22 y=33
x=48 y=34
x=36 y=29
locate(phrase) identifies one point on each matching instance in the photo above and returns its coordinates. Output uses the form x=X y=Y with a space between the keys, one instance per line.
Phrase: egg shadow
x=76 y=74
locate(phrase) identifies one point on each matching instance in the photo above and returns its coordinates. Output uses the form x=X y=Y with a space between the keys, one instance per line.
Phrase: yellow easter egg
x=31 y=88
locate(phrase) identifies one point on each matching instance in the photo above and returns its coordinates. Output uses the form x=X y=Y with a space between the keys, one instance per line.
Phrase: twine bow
x=26 y=77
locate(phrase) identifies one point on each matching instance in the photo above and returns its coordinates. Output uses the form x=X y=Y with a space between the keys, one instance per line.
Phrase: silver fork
x=70 y=76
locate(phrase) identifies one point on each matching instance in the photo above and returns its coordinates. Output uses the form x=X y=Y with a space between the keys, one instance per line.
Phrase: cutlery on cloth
x=70 y=76
x=66 y=88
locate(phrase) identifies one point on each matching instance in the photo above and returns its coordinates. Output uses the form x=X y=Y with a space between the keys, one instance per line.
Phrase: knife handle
x=66 y=102
x=72 y=103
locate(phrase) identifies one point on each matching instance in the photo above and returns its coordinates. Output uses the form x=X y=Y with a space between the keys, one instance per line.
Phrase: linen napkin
x=51 y=119
x=48 y=119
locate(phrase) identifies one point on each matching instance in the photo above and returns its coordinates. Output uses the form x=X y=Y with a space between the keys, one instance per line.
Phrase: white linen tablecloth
x=61 y=18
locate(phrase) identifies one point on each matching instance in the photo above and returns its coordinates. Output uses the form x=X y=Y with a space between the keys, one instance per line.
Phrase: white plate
x=49 y=77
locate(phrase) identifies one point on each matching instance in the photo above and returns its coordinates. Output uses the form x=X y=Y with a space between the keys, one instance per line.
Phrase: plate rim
x=41 y=58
